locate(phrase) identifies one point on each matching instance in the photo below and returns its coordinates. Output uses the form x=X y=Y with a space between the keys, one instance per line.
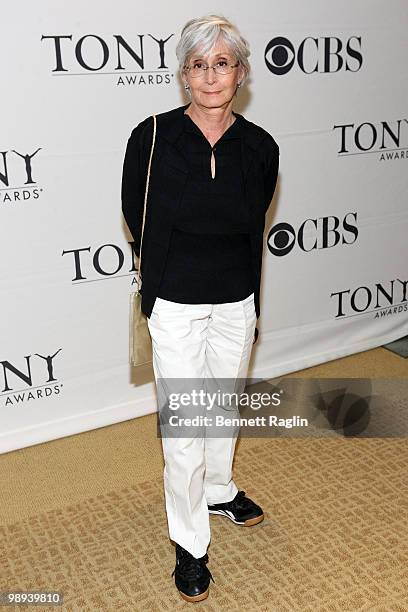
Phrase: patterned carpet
x=334 y=538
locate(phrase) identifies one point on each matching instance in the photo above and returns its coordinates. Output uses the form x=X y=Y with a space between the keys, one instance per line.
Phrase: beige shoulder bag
x=140 y=342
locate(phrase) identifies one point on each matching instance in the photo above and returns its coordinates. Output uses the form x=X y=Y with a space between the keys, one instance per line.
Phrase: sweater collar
x=170 y=126
x=234 y=131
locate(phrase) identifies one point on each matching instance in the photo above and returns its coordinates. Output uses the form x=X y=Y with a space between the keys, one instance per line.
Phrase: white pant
x=206 y=341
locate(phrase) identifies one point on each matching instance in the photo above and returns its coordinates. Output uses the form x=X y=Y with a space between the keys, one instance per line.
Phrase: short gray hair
x=202 y=33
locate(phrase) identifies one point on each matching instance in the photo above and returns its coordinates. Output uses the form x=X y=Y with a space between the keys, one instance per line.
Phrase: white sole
x=229 y=515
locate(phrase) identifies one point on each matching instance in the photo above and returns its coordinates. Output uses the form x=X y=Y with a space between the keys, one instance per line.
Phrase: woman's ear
x=183 y=75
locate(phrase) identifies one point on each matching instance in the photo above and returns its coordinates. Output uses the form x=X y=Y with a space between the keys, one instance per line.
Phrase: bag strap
x=145 y=201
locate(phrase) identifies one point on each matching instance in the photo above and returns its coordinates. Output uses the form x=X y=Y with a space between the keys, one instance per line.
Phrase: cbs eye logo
x=282 y=55
x=321 y=54
x=281 y=239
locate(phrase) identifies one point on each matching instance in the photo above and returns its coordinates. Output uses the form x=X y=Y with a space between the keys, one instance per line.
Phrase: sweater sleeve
x=133 y=184
x=271 y=165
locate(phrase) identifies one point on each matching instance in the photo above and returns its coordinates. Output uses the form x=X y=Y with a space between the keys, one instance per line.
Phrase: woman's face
x=213 y=90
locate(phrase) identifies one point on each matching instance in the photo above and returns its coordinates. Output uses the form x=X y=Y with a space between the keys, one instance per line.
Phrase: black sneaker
x=192 y=576
x=241 y=510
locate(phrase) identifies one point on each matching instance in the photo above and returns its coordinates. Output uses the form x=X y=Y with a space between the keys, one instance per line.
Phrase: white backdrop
x=328 y=82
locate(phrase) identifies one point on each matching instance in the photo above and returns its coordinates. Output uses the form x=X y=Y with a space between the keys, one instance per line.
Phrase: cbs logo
x=321 y=233
x=322 y=54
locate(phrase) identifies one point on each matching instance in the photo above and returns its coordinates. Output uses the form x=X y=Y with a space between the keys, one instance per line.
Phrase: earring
x=239 y=84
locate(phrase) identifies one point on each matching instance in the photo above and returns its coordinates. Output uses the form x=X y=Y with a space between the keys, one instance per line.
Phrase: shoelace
x=191 y=567
x=241 y=501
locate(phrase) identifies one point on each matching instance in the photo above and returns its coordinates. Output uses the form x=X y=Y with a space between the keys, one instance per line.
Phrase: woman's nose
x=210 y=75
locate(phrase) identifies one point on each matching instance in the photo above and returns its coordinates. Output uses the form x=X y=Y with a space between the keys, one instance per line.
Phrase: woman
x=212 y=178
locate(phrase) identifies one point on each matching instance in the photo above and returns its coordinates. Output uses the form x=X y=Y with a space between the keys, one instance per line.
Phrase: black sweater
x=209 y=257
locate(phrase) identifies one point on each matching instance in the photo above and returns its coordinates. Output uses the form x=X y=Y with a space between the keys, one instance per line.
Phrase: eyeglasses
x=221 y=67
